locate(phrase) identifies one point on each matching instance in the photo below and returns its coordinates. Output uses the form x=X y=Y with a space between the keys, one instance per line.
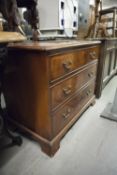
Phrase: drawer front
x=63 y=64
x=62 y=117
x=64 y=90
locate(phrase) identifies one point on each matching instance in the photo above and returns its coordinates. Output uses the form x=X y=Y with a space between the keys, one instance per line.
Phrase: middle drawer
x=65 y=89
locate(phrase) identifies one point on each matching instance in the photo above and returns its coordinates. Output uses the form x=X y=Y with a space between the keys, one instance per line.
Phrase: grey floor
x=89 y=148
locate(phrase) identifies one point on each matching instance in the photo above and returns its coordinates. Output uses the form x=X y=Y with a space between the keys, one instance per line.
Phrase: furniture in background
x=5 y=38
x=111 y=18
x=48 y=85
x=10 y=12
x=96 y=26
x=107 y=66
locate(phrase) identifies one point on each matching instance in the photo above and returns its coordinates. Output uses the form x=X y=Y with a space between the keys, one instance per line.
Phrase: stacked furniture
x=107 y=67
x=48 y=85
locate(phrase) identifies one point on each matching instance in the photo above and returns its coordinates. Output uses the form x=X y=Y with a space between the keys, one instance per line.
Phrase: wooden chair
x=98 y=28
x=111 y=14
x=9 y=9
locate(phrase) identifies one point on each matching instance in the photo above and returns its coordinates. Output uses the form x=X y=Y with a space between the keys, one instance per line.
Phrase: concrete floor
x=89 y=148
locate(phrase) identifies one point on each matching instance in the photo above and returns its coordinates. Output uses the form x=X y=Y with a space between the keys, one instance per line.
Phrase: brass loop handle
x=93 y=55
x=66 y=114
x=67 y=65
x=88 y=92
x=67 y=90
x=90 y=74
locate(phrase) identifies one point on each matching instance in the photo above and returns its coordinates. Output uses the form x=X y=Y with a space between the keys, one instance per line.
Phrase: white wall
x=91 y=2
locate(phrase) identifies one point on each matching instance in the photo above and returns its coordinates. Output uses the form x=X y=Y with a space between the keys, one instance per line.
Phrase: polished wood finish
x=43 y=100
x=66 y=63
x=65 y=113
x=107 y=66
x=66 y=88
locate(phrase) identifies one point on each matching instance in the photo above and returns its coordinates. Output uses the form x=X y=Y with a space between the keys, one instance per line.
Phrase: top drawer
x=63 y=64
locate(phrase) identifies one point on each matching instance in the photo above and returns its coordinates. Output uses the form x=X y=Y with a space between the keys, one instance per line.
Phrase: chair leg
x=4 y=131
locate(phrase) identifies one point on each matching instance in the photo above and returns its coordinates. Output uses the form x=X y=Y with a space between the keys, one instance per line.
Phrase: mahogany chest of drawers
x=48 y=85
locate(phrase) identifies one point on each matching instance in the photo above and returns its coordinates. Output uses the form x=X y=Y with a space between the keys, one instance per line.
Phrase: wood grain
x=31 y=97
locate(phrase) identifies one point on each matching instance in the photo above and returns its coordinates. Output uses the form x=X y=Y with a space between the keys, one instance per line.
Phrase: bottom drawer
x=62 y=116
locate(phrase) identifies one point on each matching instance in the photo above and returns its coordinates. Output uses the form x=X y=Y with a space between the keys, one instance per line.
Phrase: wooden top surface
x=6 y=37
x=52 y=45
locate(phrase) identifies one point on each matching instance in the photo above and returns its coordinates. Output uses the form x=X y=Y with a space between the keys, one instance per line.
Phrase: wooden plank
x=6 y=37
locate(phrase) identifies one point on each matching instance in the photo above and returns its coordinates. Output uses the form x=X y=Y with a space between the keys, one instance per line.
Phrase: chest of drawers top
x=62 y=57
x=52 y=45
